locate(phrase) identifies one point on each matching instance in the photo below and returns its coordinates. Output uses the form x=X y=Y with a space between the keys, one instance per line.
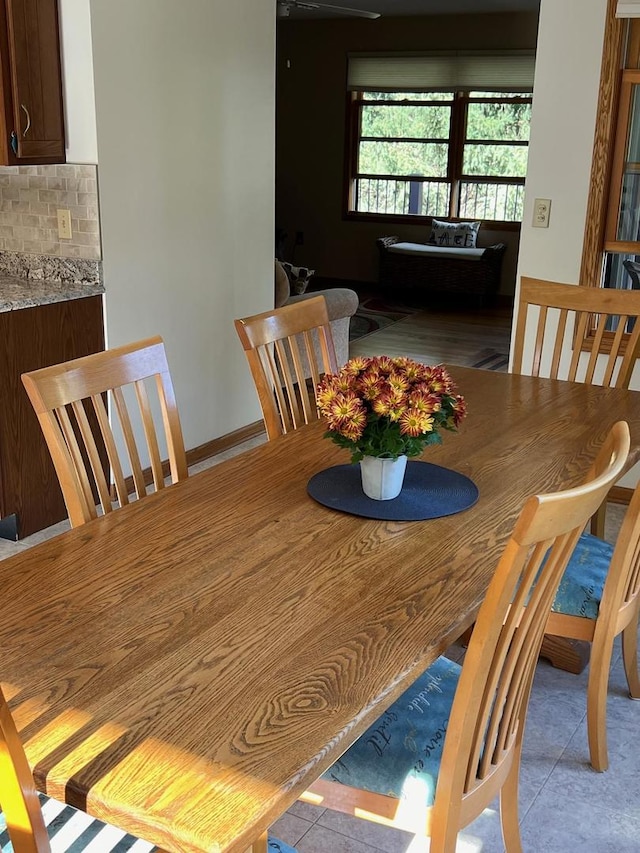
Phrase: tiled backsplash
x=30 y=197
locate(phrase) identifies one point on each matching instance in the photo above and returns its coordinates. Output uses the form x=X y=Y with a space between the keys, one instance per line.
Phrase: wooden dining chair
x=288 y=350
x=598 y=599
x=583 y=334
x=35 y=823
x=442 y=751
x=71 y=403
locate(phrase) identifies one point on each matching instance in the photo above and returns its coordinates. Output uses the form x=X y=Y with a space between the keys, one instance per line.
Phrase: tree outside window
x=443 y=154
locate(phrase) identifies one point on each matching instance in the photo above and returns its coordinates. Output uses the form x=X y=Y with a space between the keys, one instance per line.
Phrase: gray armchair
x=341 y=306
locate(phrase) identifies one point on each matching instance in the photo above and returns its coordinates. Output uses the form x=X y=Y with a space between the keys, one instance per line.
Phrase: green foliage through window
x=413 y=149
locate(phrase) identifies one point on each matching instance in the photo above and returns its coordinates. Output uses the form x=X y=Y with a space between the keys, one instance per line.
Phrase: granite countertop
x=16 y=292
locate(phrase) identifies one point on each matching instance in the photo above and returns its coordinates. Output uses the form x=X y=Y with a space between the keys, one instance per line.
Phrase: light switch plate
x=64 y=224
x=541 y=211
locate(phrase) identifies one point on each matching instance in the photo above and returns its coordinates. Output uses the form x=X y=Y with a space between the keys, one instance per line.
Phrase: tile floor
x=564 y=805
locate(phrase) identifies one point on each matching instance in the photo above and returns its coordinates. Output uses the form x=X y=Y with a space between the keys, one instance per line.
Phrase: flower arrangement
x=388 y=407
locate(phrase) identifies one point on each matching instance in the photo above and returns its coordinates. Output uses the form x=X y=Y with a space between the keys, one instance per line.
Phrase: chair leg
x=443 y=825
x=597 y=688
x=259 y=845
x=444 y=839
x=598 y=521
x=630 y=656
x=509 y=809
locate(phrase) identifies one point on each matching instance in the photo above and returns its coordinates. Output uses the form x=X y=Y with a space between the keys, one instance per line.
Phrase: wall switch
x=64 y=224
x=541 y=211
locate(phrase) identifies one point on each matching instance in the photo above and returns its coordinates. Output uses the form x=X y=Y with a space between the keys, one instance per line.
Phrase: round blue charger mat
x=429 y=491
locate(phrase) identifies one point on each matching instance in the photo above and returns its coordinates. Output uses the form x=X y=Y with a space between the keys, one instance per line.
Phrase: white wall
x=568 y=58
x=185 y=118
x=77 y=76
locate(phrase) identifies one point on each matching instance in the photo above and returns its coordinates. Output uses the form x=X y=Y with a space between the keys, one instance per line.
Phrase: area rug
x=373 y=314
x=490 y=359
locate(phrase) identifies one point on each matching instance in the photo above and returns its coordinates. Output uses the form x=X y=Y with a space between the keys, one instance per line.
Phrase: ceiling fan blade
x=357 y=13
x=285 y=5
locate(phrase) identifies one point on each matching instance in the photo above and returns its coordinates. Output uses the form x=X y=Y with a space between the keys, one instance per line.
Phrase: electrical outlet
x=541 y=211
x=64 y=224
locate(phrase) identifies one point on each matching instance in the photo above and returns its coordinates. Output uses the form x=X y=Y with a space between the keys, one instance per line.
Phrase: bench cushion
x=422 y=250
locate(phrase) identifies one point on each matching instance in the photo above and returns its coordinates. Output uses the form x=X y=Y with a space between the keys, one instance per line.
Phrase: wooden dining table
x=186 y=666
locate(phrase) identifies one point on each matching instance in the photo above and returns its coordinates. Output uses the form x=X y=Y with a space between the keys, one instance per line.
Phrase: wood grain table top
x=188 y=665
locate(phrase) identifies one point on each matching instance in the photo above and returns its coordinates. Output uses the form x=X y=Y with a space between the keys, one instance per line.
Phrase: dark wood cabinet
x=31 y=83
x=30 y=497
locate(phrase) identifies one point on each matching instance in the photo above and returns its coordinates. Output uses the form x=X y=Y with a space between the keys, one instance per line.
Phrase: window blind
x=446 y=71
x=628 y=9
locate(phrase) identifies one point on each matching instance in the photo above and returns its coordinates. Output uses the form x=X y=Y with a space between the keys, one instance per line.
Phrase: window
x=456 y=152
x=622 y=228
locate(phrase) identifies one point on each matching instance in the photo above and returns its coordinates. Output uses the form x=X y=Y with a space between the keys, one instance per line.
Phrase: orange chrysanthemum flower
x=414 y=423
x=381 y=405
x=459 y=407
x=356 y=365
x=398 y=382
x=326 y=393
x=384 y=364
x=370 y=385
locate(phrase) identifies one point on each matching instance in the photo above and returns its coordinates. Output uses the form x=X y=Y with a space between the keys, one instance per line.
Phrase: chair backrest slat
x=557 y=348
x=288 y=350
x=92 y=452
x=85 y=450
x=121 y=409
x=150 y=434
x=599 y=327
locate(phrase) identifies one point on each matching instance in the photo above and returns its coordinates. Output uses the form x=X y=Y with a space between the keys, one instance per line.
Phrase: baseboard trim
x=620 y=495
x=225 y=442
x=205 y=451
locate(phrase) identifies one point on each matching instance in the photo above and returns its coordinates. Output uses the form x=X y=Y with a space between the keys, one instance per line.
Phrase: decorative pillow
x=299 y=278
x=460 y=235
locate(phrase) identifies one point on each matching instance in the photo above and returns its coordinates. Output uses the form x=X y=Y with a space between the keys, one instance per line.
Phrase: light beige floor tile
x=567 y=823
x=290 y=828
x=321 y=840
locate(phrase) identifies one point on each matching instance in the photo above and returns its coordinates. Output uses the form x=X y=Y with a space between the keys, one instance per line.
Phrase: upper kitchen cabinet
x=32 y=120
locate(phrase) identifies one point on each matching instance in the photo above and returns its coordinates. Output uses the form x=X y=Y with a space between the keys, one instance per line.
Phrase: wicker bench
x=419 y=274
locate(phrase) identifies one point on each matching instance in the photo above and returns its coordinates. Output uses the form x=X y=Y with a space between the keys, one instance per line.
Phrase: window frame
x=620 y=59
x=456 y=142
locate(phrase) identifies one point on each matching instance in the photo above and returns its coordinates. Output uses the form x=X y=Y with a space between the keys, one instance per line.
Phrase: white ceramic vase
x=382 y=478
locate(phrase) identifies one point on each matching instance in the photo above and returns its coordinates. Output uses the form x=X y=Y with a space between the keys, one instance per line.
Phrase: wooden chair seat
x=439 y=755
x=90 y=407
x=582 y=585
x=408 y=740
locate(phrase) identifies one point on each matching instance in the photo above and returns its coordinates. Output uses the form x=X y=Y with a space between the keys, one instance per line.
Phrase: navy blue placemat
x=429 y=491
